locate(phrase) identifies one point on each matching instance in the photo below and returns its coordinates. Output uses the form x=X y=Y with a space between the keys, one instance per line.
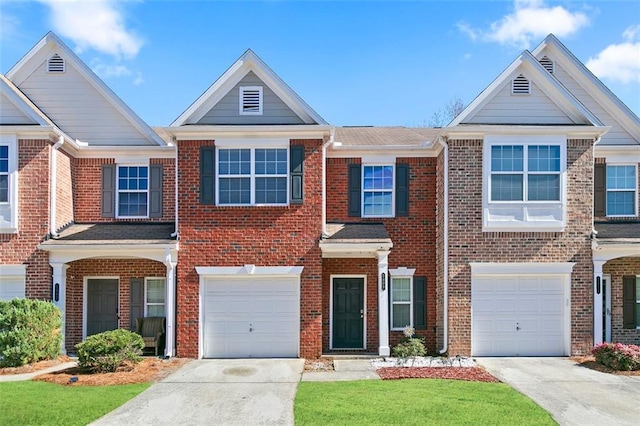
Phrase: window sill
x=524 y=217
x=8 y=230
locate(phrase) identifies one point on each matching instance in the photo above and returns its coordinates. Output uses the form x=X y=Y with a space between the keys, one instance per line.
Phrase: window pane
x=506 y=158
x=4 y=188
x=401 y=290
x=155 y=310
x=544 y=158
x=620 y=203
x=506 y=187
x=155 y=291
x=377 y=204
x=132 y=204
x=271 y=161
x=271 y=190
x=544 y=188
x=378 y=177
x=234 y=161
x=401 y=316
x=621 y=177
x=234 y=191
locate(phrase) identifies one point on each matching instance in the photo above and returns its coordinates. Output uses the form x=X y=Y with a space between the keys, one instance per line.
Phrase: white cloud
x=108 y=71
x=530 y=19
x=619 y=62
x=95 y=24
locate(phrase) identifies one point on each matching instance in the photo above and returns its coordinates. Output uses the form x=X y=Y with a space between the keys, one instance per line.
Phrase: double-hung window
x=621 y=190
x=133 y=191
x=8 y=184
x=154 y=297
x=377 y=191
x=401 y=302
x=252 y=176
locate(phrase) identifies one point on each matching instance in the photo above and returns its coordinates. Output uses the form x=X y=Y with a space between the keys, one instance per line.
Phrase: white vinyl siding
x=10 y=114
x=8 y=184
x=622 y=190
x=133 y=191
x=401 y=302
x=377 y=190
x=154 y=297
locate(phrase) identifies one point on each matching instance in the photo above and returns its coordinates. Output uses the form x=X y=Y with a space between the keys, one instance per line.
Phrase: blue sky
x=355 y=62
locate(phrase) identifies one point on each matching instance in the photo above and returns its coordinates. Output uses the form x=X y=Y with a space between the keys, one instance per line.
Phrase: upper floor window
x=377 y=191
x=133 y=191
x=250 y=176
x=250 y=100
x=525 y=173
x=8 y=184
x=621 y=184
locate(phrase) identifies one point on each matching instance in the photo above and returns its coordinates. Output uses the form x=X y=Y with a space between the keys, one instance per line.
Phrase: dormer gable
x=249 y=93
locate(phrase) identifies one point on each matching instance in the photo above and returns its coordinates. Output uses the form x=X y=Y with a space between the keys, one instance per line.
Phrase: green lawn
x=41 y=403
x=414 y=402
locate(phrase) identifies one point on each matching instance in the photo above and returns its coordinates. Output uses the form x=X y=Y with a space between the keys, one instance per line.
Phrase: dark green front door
x=348 y=313
x=102 y=305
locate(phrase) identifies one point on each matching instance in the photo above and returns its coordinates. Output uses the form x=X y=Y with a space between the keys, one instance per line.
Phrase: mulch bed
x=471 y=374
x=590 y=362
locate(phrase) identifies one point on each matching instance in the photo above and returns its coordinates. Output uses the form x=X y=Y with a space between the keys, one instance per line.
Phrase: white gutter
x=324 y=181
x=53 y=169
x=175 y=190
x=445 y=219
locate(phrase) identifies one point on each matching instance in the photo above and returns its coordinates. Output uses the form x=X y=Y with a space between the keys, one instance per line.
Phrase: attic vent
x=55 y=64
x=251 y=100
x=547 y=64
x=520 y=86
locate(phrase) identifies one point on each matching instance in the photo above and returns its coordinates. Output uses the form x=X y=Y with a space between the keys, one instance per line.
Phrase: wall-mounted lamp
x=56 y=292
x=384 y=281
x=598 y=285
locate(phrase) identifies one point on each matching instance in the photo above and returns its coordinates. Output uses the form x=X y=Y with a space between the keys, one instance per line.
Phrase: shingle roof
x=115 y=233
x=618 y=230
x=401 y=136
x=357 y=233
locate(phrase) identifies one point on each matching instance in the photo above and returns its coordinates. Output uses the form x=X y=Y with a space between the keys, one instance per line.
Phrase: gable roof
x=248 y=62
x=50 y=43
x=543 y=79
x=591 y=84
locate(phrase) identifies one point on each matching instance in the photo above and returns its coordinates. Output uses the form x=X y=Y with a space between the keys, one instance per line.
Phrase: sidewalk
x=344 y=369
x=29 y=376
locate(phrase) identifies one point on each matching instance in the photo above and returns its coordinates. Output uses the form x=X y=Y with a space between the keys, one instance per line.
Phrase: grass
x=41 y=403
x=414 y=402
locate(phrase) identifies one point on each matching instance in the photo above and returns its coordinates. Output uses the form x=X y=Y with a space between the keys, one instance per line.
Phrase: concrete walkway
x=29 y=376
x=344 y=369
x=220 y=392
x=574 y=395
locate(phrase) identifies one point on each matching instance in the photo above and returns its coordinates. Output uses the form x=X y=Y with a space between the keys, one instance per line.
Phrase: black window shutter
x=355 y=185
x=155 y=190
x=600 y=190
x=629 y=319
x=108 y=204
x=296 y=159
x=402 y=190
x=207 y=175
x=136 y=300
x=420 y=303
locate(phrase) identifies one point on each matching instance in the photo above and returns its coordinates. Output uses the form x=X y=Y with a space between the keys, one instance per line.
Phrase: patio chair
x=152 y=330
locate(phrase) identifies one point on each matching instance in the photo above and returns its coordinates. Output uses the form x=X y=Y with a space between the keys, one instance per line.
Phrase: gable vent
x=55 y=64
x=251 y=100
x=520 y=86
x=547 y=64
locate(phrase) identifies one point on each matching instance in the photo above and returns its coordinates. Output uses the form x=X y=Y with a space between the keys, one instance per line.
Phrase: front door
x=348 y=313
x=102 y=305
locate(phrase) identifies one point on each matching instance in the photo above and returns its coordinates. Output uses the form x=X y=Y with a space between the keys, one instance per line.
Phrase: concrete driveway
x=217 y=392
x=574 y=395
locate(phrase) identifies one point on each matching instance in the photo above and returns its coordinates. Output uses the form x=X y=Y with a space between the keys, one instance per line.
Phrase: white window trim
x=146 y=303
x=241 y=91
x=11 y=226
x=401 y=272
x=393 y=189
x=635 y=198
x=523 y=216
x=118 y=215
x=252 y=174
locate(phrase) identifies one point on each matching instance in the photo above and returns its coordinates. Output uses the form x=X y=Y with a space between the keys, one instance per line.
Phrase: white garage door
x=518 y=316
x=251 y=317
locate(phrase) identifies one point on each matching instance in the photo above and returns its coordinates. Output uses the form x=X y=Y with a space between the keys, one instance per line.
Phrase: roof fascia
x=591 y=84
x=249 y=61
x=479 y=131
x=199 y=132
x=30 y=62
x=407 y=151
x=132 y=152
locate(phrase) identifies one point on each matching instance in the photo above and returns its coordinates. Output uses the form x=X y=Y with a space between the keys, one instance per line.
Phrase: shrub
x=30 y=331
x=409 y=346
x=618 y=356
x=105 y=352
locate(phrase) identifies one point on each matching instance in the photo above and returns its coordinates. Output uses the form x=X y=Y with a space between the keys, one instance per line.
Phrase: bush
x=618 y=356
x=409 y=346
x=105 y=352
x=30 y=331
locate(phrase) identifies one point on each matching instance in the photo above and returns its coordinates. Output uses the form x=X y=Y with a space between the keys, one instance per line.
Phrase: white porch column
x=59 y=294
x=383 y=302
x=598 y=289
x=170 y=306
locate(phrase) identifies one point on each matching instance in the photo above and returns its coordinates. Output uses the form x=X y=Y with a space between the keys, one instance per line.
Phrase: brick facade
x=618 y=268
x=467 y=242
x=234 y=236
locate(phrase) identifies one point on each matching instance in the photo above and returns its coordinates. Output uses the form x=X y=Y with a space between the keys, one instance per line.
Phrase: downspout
x=53 y=169
x=445 y=219
x=175 y=190
x=324 y=181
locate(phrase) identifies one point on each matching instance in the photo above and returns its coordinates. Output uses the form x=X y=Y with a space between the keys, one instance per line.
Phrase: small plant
x=30 y=331
x=618 y=356
x=105 y=352
x=409 y=346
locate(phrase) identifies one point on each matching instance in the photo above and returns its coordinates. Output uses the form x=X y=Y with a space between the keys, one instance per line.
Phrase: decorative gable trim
x=249 y=61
